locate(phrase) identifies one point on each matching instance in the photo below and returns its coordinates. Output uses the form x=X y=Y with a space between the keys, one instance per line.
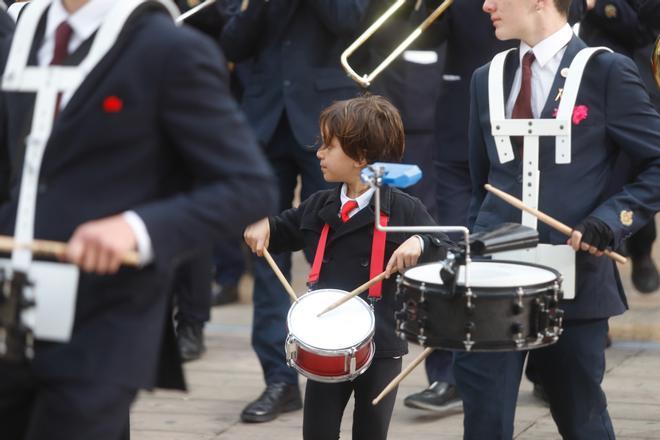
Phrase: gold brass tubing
x=655 y=62
x=365 y=80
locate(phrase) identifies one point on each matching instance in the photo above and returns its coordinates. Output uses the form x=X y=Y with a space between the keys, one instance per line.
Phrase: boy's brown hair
x=368 y=127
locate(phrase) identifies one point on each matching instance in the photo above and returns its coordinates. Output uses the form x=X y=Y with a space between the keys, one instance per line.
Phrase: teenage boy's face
x=511 y=18
x=336 y=166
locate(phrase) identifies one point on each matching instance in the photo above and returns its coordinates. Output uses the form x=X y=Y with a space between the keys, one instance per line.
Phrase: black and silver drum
x=509 y=306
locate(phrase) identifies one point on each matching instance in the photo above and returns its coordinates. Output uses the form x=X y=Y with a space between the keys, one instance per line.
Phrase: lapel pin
x=559 y=93
x=113 y=104
x=564 y=72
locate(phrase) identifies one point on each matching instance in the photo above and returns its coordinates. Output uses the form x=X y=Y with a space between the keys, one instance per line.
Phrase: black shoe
x=190 y=338
x=539 y=393
x=223 y=294
x=645 y=275
x=277 y=398
x=440 y=397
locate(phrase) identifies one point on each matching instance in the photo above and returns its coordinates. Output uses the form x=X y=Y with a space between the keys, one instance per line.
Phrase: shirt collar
x=84 y=22
x=545 y=50
x=362 y=200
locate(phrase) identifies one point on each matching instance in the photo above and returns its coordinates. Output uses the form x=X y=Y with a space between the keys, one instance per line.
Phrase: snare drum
x=510 y=306
x=336 y=347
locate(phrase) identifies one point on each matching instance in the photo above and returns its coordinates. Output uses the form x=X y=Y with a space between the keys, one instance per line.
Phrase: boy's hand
x=404 y=256
x=257 y=236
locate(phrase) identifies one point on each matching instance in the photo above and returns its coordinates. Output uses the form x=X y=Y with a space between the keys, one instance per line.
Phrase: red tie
x=62 y=38
x=347 y=208
x=522 y=109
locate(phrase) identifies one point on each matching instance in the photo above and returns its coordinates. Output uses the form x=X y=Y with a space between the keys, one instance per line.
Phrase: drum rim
x=334 y=351
x=527 y=290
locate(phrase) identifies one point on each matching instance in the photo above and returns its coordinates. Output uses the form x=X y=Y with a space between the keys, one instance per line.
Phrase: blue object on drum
x=398 y=175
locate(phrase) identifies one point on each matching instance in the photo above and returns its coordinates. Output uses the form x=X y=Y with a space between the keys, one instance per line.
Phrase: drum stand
x=375 y=176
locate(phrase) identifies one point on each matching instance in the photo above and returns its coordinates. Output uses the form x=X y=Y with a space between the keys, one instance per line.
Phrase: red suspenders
x=377 y=257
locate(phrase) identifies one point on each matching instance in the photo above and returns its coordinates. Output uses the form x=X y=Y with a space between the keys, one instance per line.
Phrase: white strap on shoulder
x=496 y=105
x=567 y=103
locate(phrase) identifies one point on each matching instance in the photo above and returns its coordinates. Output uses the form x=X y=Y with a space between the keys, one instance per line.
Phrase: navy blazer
x=178 y=153
x=295 y=46
x=620 y=118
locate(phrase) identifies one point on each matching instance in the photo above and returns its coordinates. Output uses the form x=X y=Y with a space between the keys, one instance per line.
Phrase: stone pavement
x=229 y=376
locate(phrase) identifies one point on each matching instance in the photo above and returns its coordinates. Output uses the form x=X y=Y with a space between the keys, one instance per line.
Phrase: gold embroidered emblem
x=626 y=217
x=610 y=11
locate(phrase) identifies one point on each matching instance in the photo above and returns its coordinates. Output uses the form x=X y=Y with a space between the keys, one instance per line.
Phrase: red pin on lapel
x=113 y=104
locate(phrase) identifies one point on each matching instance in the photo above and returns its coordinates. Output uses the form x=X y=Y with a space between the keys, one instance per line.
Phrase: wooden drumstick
x=397 y=380
x=553 y=223
x=280 y=276
x=353 y=293
x=47 y=248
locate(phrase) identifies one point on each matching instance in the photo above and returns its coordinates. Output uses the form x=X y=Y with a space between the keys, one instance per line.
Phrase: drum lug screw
x=421 y=338
x=519 y=302
x=468 y=342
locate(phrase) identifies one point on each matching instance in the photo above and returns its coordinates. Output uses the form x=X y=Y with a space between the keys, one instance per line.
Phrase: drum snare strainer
x=336 y=347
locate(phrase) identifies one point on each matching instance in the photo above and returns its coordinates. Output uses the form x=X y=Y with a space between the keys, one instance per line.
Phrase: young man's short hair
x=563 y=6
x=368 y=127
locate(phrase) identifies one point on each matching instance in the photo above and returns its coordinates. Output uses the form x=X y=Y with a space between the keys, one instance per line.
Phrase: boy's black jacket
x=348 y=249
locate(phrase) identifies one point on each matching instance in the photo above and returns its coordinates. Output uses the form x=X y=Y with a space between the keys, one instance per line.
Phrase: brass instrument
x=365 y=80
x=655 y=62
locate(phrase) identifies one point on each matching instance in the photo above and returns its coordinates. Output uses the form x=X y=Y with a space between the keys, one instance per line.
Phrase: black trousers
x=192 y=288
x=325 y=403
x=34 y=409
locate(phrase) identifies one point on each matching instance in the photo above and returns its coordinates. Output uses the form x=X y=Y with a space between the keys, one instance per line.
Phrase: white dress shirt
x=84 y=22
x=547 y=54
x=362 y=201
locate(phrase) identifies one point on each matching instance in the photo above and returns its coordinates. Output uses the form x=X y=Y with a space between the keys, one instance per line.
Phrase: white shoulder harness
x=560 y=127
x=531 y=129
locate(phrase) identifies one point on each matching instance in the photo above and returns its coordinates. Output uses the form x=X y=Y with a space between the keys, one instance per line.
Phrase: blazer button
x=326 y=260
x=286 y=83
x=364 y=262
x=287 y=42
x=42 y=188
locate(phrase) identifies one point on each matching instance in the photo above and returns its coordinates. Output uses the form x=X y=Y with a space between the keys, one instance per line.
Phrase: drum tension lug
x=291 y=351
x=350 y=363
x=519 y=302
x=468 y=342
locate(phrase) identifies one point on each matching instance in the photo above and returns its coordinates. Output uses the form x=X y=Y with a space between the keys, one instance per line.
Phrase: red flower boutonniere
x=113 y=104
x=580 y=113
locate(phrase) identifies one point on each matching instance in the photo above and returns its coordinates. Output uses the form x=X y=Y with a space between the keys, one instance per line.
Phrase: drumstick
x=397 y=380
x=280 y=275
x=47 y=248
x=354 y=293
x=553 y=223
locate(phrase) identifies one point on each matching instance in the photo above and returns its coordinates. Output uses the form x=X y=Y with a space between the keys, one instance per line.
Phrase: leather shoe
x=277 y=398
x=190 y=338
x=645 y=275
x=223 y=294
x=441 y=398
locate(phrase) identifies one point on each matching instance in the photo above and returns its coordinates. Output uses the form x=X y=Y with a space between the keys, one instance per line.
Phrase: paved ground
x=229 y=376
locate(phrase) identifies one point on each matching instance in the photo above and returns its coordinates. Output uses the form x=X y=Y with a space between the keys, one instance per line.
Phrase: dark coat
x=178 y=153
x=620 y=118
x=295 y=46
x=348 y=249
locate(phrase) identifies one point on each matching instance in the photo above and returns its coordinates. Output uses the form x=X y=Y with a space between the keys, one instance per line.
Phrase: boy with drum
x=338 y=224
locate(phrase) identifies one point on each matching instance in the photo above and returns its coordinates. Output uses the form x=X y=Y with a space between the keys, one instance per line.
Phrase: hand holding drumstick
x=257 y=236
x=594 y=232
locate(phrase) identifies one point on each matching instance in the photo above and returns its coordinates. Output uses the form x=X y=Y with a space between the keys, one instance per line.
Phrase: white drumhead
x=344 y=327
x=487 y=274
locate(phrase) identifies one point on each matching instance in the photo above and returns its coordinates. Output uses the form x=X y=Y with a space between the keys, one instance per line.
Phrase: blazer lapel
x=552 y=102
x=366 y=217
x=510 y=66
